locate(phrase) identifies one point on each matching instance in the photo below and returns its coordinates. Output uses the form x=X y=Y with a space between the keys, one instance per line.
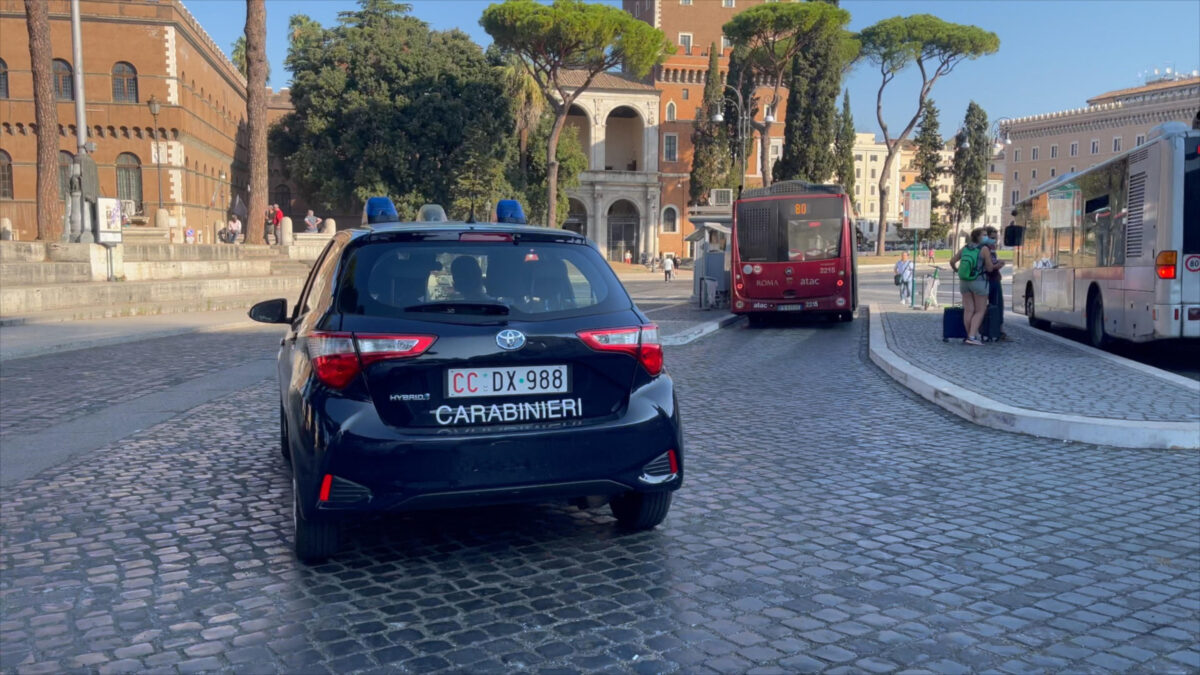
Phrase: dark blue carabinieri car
x=434 y=365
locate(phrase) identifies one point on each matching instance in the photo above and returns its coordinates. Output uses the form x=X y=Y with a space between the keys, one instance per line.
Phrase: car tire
x=314 y=540
x=640 y=510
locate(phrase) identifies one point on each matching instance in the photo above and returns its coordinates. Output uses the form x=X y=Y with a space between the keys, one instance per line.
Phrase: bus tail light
x=641 y=343
x=1164 y=264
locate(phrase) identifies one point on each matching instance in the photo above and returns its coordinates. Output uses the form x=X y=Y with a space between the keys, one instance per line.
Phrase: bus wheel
x=845 y=317
x=1029 y=312
x=756 y=320
x=1095 y=322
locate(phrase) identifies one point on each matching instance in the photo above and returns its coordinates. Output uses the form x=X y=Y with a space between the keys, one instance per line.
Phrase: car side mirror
x=1014 y=235
x=271 y=311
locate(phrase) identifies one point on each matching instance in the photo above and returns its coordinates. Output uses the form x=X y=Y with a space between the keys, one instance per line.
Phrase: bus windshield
x=789 y=229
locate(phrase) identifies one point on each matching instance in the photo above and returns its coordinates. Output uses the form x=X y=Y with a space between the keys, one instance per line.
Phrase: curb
x=987 y=412
x=693 y=334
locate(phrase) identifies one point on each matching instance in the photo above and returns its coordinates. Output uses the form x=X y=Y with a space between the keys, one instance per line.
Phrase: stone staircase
x=43 y=282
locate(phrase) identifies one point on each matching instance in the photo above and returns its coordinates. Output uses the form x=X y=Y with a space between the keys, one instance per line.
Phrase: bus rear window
x=1191 y=195
x=782 y=230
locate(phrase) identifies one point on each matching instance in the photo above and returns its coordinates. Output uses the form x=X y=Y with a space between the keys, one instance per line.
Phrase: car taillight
x=338 y=358
x=333 y=358
x=640 y=342
x=1164 y=264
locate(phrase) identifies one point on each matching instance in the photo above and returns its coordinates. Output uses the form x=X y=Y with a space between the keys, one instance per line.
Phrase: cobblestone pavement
x=43 y=390
x=1036 y=372
x=830 y=521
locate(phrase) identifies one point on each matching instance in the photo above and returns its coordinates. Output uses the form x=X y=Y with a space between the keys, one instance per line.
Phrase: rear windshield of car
x=463 y=282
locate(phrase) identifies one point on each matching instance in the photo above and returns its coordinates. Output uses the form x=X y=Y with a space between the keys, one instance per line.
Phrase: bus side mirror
x=1014 y=235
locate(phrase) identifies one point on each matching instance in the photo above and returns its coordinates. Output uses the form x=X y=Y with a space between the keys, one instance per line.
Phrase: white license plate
x=523 y=381
x=808 y=304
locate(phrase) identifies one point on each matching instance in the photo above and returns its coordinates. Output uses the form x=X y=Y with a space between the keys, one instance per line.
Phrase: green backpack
x=969 y=264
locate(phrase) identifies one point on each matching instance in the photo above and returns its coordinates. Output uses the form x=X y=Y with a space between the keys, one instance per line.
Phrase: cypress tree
x=844 y=149
x=710 y=140
x=809 y=127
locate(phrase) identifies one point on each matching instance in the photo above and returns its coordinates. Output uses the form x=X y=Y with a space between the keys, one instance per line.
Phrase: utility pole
x=81 y=230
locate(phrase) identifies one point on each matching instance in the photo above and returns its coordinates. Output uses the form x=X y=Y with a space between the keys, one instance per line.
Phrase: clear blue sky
x=1054 y=54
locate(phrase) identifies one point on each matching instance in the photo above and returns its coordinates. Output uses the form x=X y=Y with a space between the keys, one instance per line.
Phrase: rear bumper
x=1176 y=321
x=825 y=303
x=381 y=468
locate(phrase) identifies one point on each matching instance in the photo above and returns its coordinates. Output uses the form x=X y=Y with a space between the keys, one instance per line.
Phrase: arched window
x=6 y=181
x=129 y=179
x=64 y=87
x=671 y=111
x=3 y=79
x=670 y=220
x=124 y=83
x=65 y=160
x=282 y=195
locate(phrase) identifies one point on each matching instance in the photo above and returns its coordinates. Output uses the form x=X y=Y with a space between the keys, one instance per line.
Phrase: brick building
x=133 y=50
x=692 y=26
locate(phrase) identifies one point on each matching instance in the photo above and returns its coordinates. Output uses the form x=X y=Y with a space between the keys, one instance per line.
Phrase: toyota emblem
x=510 y=339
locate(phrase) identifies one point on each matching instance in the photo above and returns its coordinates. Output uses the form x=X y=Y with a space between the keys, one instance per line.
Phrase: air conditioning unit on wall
x=722 y=197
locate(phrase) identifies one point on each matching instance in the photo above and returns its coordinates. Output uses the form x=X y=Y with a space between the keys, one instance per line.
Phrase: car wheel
x=640 y=510
x=314 y=540
x=1095 y=322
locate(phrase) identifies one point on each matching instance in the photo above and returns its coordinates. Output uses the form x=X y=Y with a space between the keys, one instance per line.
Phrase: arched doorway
x=576 y=217
x=624 y=222
x=577 y=119
x=623 y=140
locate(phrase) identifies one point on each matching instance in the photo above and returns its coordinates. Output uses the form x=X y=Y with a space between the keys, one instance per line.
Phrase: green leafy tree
x=927 y=161
x=568 y=35
x=479 y=179
x=571 y=160
x=811 y=122
x=710 y=142
x=844 y=149
x=969 y=168
x=740 y=77
x=527 y=103
x=935 y=47
x=385 y=106
x=771 y=36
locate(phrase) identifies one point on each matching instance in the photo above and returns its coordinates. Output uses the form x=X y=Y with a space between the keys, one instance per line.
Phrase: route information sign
x=917 y=203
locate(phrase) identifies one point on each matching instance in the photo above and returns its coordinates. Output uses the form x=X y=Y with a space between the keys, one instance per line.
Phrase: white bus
x=1115 y=249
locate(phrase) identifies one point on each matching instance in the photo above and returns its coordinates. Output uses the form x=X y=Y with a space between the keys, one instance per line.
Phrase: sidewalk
x=1042 y=384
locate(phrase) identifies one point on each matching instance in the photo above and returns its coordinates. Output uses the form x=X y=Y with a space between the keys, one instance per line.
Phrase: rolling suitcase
x=952 y=324
x=990 y=330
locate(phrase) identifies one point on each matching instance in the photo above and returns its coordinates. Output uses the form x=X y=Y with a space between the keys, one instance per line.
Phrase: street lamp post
x=1000 y=138
x=743 y=128
x=155 y=108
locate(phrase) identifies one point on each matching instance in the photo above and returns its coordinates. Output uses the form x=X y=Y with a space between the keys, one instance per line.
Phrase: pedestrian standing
x=929 y=249
x=904 y=276
x=668 y=268
x=311 y=222
x=277 y=223
x=268 y=224
x=628 y=257
x=971 y=263
x=995 y=280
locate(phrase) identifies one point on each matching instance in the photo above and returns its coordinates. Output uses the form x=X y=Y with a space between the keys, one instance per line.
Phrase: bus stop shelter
x=710 y=277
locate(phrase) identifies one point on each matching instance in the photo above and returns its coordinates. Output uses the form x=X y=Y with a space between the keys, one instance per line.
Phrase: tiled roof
x=1133 y=91
x=575 y=78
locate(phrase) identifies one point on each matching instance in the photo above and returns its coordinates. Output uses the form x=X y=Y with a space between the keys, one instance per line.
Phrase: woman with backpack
x=971 y=263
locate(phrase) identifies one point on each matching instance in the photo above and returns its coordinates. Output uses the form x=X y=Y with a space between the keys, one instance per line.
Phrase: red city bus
x=794 y=251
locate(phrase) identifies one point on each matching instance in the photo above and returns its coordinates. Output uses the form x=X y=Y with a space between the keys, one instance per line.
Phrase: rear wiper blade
x=484 y=308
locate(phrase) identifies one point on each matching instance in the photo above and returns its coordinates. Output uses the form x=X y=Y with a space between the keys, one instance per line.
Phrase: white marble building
x=617 y=204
